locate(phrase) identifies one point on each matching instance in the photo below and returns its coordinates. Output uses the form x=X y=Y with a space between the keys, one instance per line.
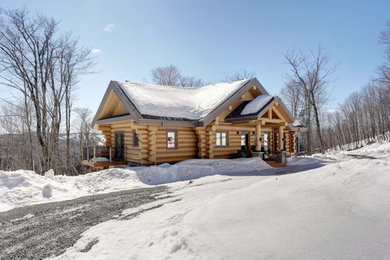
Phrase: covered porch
x=264 y=125
x=101 y=157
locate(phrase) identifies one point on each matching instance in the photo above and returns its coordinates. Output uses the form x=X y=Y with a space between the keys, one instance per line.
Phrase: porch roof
x=238 y=116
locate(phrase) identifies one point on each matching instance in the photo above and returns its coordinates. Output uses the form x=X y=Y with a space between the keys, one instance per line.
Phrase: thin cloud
x=109 y=27
x=95 y=50
x=333 y=110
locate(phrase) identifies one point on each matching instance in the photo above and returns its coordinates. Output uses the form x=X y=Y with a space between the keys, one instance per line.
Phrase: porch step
x=275 y=163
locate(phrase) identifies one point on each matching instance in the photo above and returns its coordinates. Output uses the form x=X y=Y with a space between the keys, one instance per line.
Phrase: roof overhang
x=297 y=128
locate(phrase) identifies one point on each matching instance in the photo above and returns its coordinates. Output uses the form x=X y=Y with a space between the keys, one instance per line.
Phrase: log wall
x=187 y=145
x=191 y=142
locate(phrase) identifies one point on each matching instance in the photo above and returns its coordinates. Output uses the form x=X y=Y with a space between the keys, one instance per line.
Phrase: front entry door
x=119 y=146
x=266 y=142
x=245 y=140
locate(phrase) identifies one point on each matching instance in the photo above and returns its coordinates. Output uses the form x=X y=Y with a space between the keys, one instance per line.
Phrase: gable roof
x=178 y=102
x=164 y=105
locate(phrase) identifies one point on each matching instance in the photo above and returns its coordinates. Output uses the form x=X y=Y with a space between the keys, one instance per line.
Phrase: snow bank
x=338 y=211
x=197 y=168
x=19 y=188
x=378 y=150
x=178 y=102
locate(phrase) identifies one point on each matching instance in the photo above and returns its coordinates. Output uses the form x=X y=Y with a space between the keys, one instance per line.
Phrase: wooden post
x=210 y=141
x=258 y=135
x=280 y=144
x=110 y=154
x=94 y=154
x=124 y=152
x=88 y=154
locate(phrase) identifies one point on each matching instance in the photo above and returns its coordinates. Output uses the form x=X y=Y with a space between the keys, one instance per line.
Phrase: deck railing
x=103 y=154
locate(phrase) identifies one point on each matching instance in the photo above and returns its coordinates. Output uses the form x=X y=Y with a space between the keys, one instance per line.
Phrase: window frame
x=166 y=141
x=227 y=139
x=135 y=139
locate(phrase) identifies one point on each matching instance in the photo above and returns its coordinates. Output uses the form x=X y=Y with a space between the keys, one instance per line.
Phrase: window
x=135 y=139
x=221 y=138
x=171 y=139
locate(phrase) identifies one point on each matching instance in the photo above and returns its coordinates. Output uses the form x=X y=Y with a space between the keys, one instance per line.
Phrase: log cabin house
x=146 y=124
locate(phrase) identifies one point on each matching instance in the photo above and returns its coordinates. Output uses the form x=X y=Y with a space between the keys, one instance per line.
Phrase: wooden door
x=119 y=145
x=267 y=142
x=245 y=140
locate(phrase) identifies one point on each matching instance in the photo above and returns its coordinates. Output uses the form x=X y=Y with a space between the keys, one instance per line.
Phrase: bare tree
x=312 y=75
x=43 y=67
x=25 y=51
x=240 y=75
x=84 y=126
x=167 y=75
x=171 y=76
x=191 y=82
x=384 y=69
x=292 y=96
x=73 y=61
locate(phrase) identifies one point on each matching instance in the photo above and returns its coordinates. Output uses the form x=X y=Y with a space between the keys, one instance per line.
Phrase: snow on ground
x=21 y=188
x=338 y=211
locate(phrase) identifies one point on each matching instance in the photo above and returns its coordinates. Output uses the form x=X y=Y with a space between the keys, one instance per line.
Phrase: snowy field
x=338 y=211
x=238 y=209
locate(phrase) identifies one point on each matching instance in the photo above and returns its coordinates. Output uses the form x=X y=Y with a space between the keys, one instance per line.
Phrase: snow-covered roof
x=297 y=123
x=256 y=104
x=178 y=102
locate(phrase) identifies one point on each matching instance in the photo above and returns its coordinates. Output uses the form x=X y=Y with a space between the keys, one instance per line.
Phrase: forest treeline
x=364 y=115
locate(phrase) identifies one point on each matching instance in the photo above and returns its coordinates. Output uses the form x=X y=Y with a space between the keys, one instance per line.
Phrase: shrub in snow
x=47 y=191
x=49 y=173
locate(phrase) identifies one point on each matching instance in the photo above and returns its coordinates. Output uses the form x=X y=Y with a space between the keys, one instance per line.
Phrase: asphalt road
x=44 y=230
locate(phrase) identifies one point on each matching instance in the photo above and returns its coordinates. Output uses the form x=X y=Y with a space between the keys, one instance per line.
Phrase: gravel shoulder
x=44 y=230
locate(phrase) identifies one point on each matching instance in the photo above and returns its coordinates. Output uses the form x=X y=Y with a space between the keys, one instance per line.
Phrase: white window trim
x=175 y=132
x=227 y=139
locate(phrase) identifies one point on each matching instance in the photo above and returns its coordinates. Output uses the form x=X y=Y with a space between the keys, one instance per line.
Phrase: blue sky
x=213 y=39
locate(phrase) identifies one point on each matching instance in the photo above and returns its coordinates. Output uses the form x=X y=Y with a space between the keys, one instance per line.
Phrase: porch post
x=280 y=144
x=258 y=135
